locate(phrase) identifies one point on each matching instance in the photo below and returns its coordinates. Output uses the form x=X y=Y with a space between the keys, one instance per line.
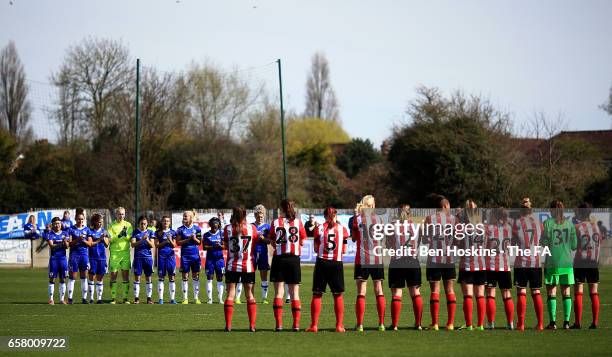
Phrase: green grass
x=197 y=329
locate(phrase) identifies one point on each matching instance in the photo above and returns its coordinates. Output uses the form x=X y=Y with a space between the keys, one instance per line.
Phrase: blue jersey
x=79 y=234
x=60 y=250
x=66 y=224
x=29 y=232
x=263 y=231
x=142 y=250
x=98 y=251
x=214 y=240
x=190 y=248
x=166 y=251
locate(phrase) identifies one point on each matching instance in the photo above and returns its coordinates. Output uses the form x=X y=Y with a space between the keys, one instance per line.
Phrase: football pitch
x=198 y=329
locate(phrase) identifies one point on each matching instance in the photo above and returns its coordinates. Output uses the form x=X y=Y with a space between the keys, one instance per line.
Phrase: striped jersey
x=330 y=242
x=526 y=234
x=363 y=226
x=497 y=238
x=589 y=243
x=437 y=229
x=239 y=244
x=287 y=236
x=406 y=238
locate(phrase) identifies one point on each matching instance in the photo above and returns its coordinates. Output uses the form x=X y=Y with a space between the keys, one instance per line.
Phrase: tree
x=321 y=99
x=219 y=102
x=14 y=106
x=456 y=146
x=608 y=105
x=356 y=156
x=93 y=73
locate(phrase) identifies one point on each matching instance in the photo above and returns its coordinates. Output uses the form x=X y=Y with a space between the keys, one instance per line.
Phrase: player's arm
x=302 y=233
x=225 y=239
x=180 y=238
x=316 y=239
x=158 y=240
x=573 y=237
x=355 y=231
x=148 y=239
x=344 y=239
x=207 y=243
x=272 y=236
x=104 y=239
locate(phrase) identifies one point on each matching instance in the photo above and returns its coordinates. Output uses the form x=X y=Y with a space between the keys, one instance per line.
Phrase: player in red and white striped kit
x=367 y=264
x=586 y=263
x=438 y=233
x=330 y=245
x=472 y=269
x=405 y=271
x=498 y=236
x=526 y=233
x=287 y=236
x=239 y=238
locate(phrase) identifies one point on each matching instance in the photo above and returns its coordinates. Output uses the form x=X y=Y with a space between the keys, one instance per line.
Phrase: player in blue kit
x=58 y=265
x=79 y=256
x=261 y=250
x=189 y=237
x=97 y=257
x=215 y=264
x=30 y=229
x=66 y=221
x=166 y=261
x=142 y=242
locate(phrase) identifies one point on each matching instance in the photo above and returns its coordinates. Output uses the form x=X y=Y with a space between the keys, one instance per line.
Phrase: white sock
x=185 y=289
x=209 y=289
x=51 y=290
x=70 y=288
x=238 y=291
x=220 y=288
x=90 y=289
x=137 y=289
x=149 y=289
x=172 y=287
x=196 y=288
x=62 y=291
x=84 y=288
x=264 y=289
x=160 y=289
x=100 y=289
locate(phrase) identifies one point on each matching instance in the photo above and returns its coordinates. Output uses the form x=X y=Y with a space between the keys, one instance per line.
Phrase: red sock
x=491 y=309
x=417 y=307
x=539 y=308
x=396 y=309
x=434 y=307
x=381 y=306
x=296 y=311
x=595 y=308
x=509 y=308
x=481 y=308
x=360 y=309
x=315 y=310
x=338 y=309
x=277 y=307
x=228 y=310
x=467 y=309
x=521 y=308
x=451 y=307
x=252 y=312
x=578 y=307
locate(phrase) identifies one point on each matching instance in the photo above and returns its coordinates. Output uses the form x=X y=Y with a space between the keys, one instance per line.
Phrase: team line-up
x=246 y=246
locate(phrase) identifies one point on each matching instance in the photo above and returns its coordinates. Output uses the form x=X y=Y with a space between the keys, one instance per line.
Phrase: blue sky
x=525 y=56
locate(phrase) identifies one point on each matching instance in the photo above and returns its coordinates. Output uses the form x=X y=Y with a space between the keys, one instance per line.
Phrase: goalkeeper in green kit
x=120 y=232
x=560 y=238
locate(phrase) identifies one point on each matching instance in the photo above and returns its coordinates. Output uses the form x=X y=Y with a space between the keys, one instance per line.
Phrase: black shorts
x=441 y=272
x=376 y=272
x=328 y=272
x=404 y=273
x=235 y=277
x=472 y=277
x=586 y=275
x=528 y=276
x=286 y=268
x=503 y=279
